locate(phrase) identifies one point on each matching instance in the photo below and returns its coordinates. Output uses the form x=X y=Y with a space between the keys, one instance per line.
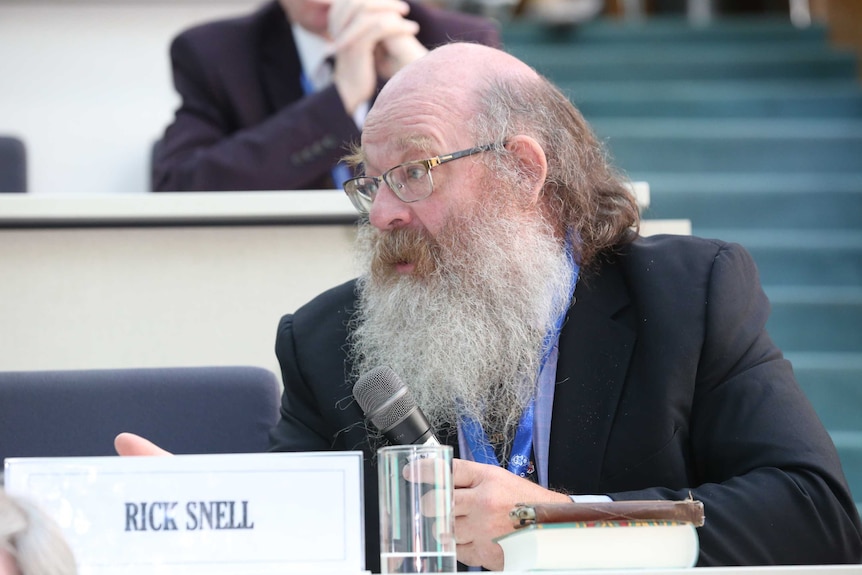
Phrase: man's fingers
x=367 y=30
x=465 y=473
x=131 y=444
x=357 y=27
x=433 y=471
x=342 y=14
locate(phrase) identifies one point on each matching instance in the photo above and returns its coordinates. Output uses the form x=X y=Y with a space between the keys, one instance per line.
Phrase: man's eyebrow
x=356 y=157
x=421 y=144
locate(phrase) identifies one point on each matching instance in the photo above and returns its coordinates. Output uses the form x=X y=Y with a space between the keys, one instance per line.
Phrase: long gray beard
x=468 y=337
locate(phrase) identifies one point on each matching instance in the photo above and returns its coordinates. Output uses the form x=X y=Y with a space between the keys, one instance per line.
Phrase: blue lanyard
x=482 y=452
x=306 y=84
x=480 y=449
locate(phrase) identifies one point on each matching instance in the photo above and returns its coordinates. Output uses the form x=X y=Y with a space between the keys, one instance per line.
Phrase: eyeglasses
x=410 y=181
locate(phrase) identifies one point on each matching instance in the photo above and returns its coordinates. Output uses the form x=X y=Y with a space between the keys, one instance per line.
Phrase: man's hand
x=371 y=38
x=131 y=444
x=484 y=495
x=395 y=52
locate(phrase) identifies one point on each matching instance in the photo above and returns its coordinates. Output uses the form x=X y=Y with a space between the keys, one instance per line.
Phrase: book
x=687 y=510
x=603 y=535
x=601 y=545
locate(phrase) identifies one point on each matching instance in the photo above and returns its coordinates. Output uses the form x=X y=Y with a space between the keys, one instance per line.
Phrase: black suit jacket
x=244 y=122
x=668 y=385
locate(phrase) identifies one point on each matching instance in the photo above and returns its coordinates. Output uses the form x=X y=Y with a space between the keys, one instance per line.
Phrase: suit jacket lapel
x=280 y=66
x=595 y=349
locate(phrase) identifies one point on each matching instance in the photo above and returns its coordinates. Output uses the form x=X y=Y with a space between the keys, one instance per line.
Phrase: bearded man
x=506 y=281
x=508 y=277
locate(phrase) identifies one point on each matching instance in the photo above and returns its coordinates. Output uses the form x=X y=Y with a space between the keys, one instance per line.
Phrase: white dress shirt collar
x=313 y=51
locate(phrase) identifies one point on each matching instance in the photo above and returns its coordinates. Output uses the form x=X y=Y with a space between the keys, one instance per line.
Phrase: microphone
x=390 y=406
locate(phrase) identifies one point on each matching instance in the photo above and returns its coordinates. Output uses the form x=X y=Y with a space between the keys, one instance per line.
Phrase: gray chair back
x=184 y=410
x=13 y=165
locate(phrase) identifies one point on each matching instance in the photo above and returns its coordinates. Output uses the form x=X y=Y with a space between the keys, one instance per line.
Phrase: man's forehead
x=398 y=130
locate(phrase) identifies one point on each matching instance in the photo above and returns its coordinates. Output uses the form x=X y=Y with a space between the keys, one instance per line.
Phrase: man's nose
x=388 y=212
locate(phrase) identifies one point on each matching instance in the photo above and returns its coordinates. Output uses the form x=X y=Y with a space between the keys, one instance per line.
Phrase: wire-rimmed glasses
x=410 y=181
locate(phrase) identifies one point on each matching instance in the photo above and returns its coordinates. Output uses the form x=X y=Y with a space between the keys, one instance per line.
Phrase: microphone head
x=383 y=397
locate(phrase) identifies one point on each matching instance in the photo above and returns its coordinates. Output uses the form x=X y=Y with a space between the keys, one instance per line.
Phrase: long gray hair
x=581 y=192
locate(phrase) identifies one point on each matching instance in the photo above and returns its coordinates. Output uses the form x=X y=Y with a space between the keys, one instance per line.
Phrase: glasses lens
x=361 y=192
x=410 y=182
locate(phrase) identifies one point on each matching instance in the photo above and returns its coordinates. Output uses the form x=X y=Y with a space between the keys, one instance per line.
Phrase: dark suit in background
x=668 y=385
x=245 y=122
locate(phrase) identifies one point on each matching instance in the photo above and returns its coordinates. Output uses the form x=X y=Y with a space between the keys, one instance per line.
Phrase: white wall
x=83 y=298
x=87 y=85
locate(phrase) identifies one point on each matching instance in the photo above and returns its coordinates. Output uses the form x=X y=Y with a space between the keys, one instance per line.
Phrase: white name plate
x=192 y=514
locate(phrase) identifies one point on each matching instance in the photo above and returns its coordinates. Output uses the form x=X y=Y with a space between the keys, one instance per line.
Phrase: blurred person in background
x=273 y=100
x=31 y=543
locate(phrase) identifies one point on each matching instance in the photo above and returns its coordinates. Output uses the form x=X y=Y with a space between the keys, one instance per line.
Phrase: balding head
x=449 y=78
x=460 y=65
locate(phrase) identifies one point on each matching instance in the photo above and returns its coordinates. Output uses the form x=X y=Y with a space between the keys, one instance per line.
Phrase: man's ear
x=532 y=161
